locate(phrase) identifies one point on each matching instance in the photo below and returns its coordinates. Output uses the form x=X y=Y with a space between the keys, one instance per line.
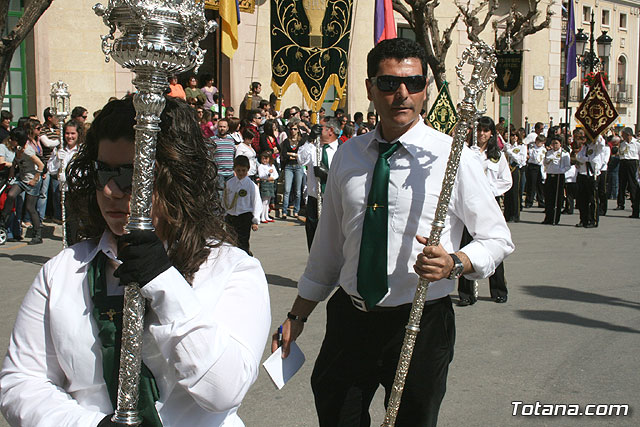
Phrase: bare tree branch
x=470 y=17
x=11 y=42
x=522 y=25
x=403 y=11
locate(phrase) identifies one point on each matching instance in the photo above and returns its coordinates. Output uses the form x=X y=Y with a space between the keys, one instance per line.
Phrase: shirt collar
x=412 y=140
x=333 y=144
x=106 y=244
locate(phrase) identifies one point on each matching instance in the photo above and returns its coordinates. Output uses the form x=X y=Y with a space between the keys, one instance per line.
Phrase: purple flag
x=572 y=70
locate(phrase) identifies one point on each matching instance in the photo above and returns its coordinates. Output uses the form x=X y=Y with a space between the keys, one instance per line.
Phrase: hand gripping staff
x=156 y=38
x=483 y=60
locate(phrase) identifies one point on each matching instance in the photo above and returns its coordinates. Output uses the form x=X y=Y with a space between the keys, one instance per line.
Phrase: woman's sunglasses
x=392 y=83
x=121 y=175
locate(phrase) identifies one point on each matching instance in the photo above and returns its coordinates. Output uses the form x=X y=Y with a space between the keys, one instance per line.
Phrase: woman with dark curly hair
x=208 y=307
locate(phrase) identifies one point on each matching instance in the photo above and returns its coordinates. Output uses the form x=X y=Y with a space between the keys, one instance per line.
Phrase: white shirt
x=590 y=153
x=307 y=156
x=58 y=162
x=629 y=150
x=516 y=154
x=243 y=149
x=536 y=154
x=267 y=171
x=242 y=196
x=605 y=155
x=557 y=162
x=203 y=343
x=498 y=173
x=417 y=170
x=570 y=175
x=531 y=138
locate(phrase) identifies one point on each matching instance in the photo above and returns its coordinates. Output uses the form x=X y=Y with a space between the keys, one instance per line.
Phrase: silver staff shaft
x=483 y=60
x=156 y=38
x=318 y=183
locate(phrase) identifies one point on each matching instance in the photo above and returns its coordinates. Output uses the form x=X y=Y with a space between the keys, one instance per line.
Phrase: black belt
x=358 y=303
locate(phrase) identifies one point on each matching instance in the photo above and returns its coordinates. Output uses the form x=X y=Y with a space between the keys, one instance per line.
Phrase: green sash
x=107 y=311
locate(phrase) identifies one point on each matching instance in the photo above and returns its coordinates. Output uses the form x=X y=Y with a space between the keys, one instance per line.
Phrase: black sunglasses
x=121 y=175
x=392 y=83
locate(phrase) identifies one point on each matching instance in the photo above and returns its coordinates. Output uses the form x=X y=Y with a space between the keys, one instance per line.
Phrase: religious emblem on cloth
x=596 y=112
x=508 y=70
x=310 y=47
x=443 y=116
x=242 y=193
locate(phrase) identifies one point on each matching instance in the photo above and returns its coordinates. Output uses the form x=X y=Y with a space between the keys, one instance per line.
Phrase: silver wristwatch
x=458 y=268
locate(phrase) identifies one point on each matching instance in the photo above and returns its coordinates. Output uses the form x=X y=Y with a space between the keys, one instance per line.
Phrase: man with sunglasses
x=379 y=203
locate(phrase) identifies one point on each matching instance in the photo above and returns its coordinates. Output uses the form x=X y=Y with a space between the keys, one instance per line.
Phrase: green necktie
x=325 y=162
x=372 y=264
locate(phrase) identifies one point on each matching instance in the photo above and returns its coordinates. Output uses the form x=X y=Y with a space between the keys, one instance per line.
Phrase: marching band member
x=556 y=163
x=516 y=152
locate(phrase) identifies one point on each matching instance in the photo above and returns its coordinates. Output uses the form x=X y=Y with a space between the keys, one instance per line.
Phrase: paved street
x=570 y=332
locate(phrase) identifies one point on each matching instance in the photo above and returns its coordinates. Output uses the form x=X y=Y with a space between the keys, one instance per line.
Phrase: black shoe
x=579 y=224
x=545 y=222
x=590 y=226
x=619 y=208
x=464 y=302
x=501 y=300
x=634 y=216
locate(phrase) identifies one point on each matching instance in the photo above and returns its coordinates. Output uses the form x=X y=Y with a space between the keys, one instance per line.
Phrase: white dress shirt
x=517 y=154
x=497 y=172
x=267 y=171
x=629 y=150
x=557 y=162
x=570 y=175
x=242 y=196
x=531 y=138
x=203 y=342
x=591 y=153
x=307 y=157
x=243 y=149
x=417 y=170
x=536 y=154
x=605 y=155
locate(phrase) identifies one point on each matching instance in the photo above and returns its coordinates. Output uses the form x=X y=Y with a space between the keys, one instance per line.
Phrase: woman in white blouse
x=496 y=168
x=208 y=312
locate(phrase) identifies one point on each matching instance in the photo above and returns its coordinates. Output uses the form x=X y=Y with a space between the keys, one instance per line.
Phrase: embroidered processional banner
x=443 y=116
x=310 y=47
x=508 y=70
x=596 y=112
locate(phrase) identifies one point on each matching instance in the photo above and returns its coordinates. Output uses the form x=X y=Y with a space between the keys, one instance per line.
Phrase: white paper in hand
x=281 y=370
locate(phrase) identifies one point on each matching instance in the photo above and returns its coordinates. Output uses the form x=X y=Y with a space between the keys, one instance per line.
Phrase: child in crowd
x=556 y=163
x=242 y=203
x=245 y=149
x=268 y=175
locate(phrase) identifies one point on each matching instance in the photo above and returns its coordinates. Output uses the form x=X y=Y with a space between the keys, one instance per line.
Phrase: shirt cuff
x=314 y=291
x=483 y=264
x=171 y=297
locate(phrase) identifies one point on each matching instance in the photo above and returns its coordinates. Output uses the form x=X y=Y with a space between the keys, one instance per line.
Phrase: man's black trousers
x=360 y=351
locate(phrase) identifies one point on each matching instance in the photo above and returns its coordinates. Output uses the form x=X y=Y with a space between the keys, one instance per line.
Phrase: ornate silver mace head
x=482 y=58
x=60 y=100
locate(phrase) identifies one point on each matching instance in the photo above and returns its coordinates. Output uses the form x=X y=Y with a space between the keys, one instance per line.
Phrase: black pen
x=280 y=336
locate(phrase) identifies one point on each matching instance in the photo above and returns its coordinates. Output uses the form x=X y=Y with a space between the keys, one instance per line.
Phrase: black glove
x=321 y=173
x=316 y=130
x=106 y=422
x=143 y=257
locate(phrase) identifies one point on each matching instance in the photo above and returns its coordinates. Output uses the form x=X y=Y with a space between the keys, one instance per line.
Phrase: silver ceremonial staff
x=61 y=107
x=156 y=38
x=483 y=60
x=318 y=183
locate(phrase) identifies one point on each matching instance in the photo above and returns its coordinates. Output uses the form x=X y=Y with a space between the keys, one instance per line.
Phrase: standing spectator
x=5 y=124
x=246 y=149
x=538 y=129
x=269 y=140
x=613 y=168
x=534 y=173
x=195 y=96
x=358 y=120
x=234 y=130
x=49 y=140
x=629 y=155
x=225 y=150
x=242 y=203
x=218 y=99
x=318 y=170
x=30 y=169
x=175 y=89
x=255 y=121
x=291 y=169
x=209 y=90
x=229 y=113
x=57 y=167
x=347 y=132
x=247 y=106
x=268 y=175
x=601 y=181
x=205 y=121
x=371 y=120
x=79 y=114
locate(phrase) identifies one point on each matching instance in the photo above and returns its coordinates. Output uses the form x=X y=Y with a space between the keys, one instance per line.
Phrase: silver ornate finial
x=61 y=108
x=156 y=38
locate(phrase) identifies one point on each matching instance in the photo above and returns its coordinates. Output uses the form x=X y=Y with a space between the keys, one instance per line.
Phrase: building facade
x=65 y=45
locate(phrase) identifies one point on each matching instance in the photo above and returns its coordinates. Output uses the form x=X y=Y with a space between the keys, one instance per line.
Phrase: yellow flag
x=229 y=15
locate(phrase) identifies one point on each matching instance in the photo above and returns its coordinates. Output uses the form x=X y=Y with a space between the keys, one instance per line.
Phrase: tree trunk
x=10 y=43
